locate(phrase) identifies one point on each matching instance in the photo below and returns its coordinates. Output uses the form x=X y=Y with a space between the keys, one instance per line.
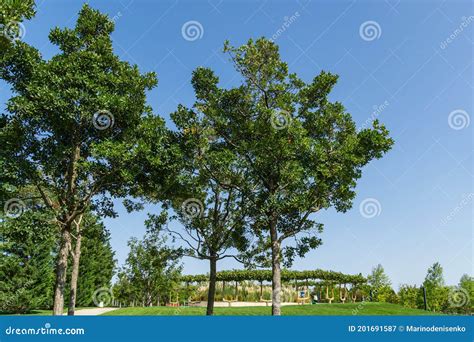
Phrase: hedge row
x=286 y=275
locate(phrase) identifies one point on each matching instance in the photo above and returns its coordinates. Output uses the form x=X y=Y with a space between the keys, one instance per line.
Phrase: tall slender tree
x=300 y=152
x=436 y=292
x=378 y=278
x=212 y=208
x=75 y=123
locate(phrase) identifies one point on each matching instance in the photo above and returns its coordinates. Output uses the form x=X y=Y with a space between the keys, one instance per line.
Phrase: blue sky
x=411 y=68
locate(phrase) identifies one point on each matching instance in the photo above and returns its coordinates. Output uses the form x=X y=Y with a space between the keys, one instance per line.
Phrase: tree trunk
x=65 y=244
x=74 y=275
x=212 y=285
x=276 y=271
x=61 y=269
x=148 y=300
x=75 y=268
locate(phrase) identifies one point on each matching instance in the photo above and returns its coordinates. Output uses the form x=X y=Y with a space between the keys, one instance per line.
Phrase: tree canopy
x=299 y=152
x=75 y=122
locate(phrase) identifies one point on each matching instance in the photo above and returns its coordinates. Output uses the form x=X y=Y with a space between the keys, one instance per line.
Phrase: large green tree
x=299 y=151
x=213 y=209
x=74 y=124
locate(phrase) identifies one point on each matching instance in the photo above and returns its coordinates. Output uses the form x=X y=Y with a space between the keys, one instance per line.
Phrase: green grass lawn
x=296 y=310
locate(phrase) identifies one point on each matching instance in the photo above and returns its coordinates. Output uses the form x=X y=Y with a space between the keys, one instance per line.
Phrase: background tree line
x=439 y=297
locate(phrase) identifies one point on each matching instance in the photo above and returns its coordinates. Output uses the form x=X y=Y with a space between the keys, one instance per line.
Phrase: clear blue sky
x=408 y=68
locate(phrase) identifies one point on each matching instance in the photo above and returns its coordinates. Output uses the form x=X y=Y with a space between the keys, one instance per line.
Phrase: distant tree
x=410 y=296
x=300 y=153
x=462 y=297
x=434 y=277
x=467 y=283
x=122 y=289
x=152 y=269
x=386 y=294
x=74 y=124
x=378 y=279
x=436 y=292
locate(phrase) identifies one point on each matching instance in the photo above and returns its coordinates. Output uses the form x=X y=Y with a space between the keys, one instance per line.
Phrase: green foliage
x=151 y=272
x=434 y=277
x=12 y=13
x=411 y=296
x=297 y=151
x=28 y=248
x=286 y=275
x=26 y=265
x=378 y=280
x=97 y=263
x=438 y=298
x=77 y=116
x=465 y=289
x=76 y=124
x=436 y=292
x=386 y=294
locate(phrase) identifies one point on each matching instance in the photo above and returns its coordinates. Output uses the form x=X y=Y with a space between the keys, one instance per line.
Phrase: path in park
x=93 y=311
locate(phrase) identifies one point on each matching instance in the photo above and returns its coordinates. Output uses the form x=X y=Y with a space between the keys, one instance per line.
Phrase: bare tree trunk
x=61 y=269
x=65 y=244
x=212 y=285
x=75 y=268
x=148 y=299
x=276 y=270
